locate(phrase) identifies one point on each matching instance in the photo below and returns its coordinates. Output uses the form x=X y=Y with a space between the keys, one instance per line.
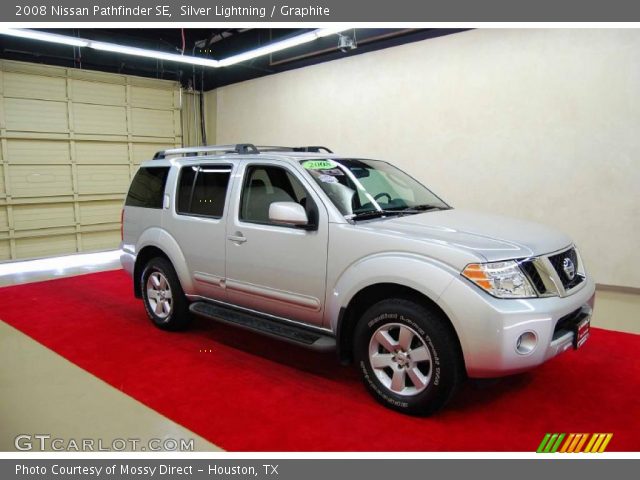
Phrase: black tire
x=178 y=316
x=439 y=377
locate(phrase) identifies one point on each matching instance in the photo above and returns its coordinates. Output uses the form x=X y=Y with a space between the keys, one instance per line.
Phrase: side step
x=296 y=334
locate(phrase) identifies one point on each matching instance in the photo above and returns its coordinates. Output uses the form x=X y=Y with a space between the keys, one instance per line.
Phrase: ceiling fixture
x=270 y=48
x=346 y=42
x=143 y=52
x=172 y=57
x=45 y=37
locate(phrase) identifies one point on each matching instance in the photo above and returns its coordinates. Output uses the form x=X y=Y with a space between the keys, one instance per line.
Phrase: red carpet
x=255 y=394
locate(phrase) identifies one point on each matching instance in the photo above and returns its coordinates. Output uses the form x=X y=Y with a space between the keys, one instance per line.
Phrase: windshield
x=370 y=187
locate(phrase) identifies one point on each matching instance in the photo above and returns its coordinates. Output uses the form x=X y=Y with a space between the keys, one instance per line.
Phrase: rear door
x=273 y=268
x=197 y=223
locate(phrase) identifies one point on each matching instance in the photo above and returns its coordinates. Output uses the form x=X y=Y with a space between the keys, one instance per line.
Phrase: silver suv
x=355 y=255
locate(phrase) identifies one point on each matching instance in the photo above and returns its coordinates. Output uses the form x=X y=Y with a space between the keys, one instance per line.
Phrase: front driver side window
x=263 y=185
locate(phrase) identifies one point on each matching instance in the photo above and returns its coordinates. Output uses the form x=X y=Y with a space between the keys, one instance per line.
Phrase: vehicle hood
x=493 y=237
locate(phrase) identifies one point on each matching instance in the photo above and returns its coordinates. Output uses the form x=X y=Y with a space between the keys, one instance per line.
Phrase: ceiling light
x=281 y=45
x=267 y=49
x=323 y=32
x=143 y=52
x=173 y=57
x=45 y=37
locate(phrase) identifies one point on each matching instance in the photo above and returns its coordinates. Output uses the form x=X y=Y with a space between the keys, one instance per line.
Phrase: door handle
x=237 y=238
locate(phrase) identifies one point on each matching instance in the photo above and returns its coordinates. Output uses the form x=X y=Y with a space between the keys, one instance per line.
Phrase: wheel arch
x=366 y=297
x=143 y=257
x=157 y=241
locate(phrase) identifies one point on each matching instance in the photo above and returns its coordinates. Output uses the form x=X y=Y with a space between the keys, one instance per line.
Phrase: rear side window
x=202 y=190
x=147 y=187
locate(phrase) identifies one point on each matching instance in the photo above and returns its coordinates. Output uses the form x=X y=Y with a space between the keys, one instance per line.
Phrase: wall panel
x=105 y=119
x=20 y=85
x=28 y=115
x=70 y=142
x=40 y=180
x=38 y=152
x=34 y=216
x=100 y=211
x=148 y=122
x=102 y=153
x=44 y=246
x=109 y=94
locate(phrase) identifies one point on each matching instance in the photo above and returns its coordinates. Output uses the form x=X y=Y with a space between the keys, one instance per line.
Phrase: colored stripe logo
x=574 y=443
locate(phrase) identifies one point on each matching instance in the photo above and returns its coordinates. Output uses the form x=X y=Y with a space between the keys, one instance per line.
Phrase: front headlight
x=500 y=279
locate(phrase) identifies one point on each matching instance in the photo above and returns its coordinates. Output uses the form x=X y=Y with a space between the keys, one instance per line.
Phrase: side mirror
x=288 y=213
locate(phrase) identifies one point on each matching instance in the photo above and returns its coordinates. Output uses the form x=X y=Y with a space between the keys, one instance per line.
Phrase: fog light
x=526 y=343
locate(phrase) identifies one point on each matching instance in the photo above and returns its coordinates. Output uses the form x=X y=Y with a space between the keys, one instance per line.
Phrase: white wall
x=539 y=124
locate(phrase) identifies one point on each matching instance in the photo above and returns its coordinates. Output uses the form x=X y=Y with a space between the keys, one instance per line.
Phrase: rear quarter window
x=147 y=188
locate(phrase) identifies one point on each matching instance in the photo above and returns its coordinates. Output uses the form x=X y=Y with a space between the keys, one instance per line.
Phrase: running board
x=296 y=334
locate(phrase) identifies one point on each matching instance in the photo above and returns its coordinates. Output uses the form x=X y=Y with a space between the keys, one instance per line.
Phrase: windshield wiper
x=417 y=208
x=396 y=211
x=374 y=214
x=423 y=208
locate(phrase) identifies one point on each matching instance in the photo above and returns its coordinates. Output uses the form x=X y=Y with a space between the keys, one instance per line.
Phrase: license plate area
x=581 y=332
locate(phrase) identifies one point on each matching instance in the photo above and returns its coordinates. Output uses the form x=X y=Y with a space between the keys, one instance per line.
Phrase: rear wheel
x=162 y=294
x=408 y=356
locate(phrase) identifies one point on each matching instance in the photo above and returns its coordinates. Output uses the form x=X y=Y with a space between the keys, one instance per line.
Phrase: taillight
x=122 y=224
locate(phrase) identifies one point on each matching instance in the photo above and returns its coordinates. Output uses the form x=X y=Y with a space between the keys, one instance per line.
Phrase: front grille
x=531 y=272
x=558 y=263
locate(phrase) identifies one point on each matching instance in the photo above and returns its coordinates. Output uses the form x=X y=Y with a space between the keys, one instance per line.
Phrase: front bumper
x=489 y=328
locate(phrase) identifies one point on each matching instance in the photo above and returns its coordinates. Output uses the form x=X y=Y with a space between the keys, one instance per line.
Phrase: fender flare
x=417 y=273
x=420 y=273
x=160 y=239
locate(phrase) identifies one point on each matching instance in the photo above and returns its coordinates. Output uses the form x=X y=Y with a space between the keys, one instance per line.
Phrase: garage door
x=71 y=142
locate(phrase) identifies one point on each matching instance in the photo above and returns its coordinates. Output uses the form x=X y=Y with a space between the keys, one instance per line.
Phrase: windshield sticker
x=319 y=164
x=327 y=179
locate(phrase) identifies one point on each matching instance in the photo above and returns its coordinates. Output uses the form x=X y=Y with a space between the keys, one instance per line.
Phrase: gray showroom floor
x=42 y=393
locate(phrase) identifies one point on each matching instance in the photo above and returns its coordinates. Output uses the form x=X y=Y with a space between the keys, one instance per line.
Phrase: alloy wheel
x=400 y=359
x=159 y=296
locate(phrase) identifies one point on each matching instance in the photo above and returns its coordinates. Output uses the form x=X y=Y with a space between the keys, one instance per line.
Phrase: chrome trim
x=533 y=348
x=549 y=275
x=562 y=343
x=262 y=314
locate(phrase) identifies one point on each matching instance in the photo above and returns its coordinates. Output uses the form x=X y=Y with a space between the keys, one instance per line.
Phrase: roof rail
x=240 y=148
x=312 y=148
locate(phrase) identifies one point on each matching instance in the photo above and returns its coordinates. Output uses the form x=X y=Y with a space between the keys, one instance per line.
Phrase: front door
x=273 y=268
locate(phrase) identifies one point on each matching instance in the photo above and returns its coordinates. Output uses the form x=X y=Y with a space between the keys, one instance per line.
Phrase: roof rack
x=239 y=148
x=311 y=148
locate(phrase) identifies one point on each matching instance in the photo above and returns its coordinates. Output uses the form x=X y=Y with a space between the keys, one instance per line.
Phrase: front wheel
x=162 y=294
x=408 y=356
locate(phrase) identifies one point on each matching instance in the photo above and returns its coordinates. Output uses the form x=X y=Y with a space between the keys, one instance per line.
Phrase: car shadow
x=473 y=394
x=323 y=364
x=476 y=393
